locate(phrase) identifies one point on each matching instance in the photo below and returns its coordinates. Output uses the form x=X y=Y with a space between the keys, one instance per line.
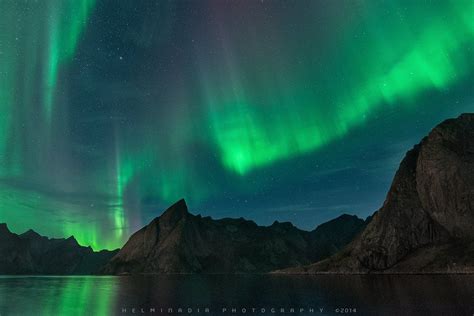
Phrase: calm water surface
x=247 y=294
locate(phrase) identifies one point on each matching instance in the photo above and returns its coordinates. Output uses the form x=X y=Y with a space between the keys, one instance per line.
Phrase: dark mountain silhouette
x=426 y=223
x=179 y=242
x=31 y=253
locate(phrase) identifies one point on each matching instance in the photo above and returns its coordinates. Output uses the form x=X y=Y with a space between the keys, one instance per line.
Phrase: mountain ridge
x=31 y=253
x=180 y=242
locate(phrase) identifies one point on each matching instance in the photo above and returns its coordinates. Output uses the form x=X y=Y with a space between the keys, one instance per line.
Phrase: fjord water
x=267 y=294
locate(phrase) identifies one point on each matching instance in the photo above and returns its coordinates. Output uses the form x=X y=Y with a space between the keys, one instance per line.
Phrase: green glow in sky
x=36 y=38
x=251 y=133
x=65 y=23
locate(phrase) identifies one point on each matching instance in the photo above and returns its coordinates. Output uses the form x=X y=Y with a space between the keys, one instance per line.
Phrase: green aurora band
x=254 y=110
x=33 y=48
x=408 y=63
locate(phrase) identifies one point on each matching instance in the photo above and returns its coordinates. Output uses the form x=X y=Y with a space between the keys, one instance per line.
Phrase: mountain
x=426 y=223
x=179 y=242
x=31 y=253
x=332 y=236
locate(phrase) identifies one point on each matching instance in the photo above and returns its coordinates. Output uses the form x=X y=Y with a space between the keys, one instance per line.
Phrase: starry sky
x=269 y=110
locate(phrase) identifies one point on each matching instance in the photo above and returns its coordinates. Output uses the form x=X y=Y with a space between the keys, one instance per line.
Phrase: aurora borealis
x=269 y=110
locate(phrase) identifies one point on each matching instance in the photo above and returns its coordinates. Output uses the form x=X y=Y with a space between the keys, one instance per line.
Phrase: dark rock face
x=445 y=176
x=330 y=237
x=31 y=253
x=179 y=242
x=14 y=257
x=426 y=223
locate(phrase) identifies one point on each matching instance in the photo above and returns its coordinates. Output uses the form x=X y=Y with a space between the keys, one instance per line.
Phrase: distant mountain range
x=426 y=225
x=31 y=253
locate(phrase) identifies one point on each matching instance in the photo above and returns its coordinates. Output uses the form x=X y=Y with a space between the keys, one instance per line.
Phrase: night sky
x=269 y=110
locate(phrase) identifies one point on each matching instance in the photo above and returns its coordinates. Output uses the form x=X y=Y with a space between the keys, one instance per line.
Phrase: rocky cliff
x=31 y=253
x=426 y=223
x=179 y=242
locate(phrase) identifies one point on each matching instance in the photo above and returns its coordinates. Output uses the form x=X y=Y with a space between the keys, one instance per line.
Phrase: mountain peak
x=282 y=225
x=175 y=212
x=466 y=116
x=4 y=228
x=30 y=233
x=71 y=240
x=341 y=219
